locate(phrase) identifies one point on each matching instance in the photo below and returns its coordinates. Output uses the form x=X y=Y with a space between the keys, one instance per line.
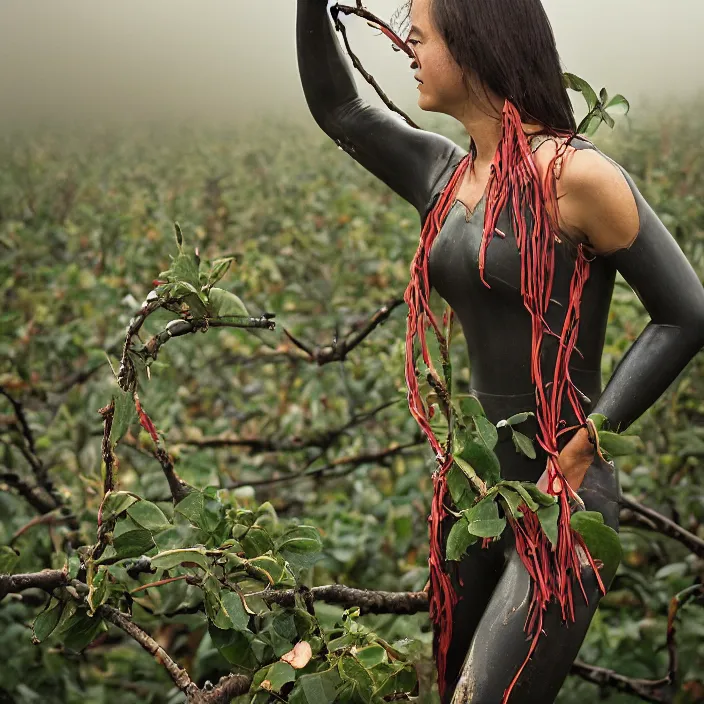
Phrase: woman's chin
x=424 y=102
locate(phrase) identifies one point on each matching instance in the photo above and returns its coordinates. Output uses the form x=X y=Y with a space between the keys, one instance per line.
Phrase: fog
x=229 y=60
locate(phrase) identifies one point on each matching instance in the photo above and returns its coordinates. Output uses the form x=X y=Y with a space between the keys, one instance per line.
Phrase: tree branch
x=652 y=519
x=369 y=601
x=329 y=470
x=46 y=580
x=29 y=450
x=179 y=489
x=178 y=674
x=347 y=10
x=323 y=439
x=35 y=496
x=339 y=349
x=649 y=690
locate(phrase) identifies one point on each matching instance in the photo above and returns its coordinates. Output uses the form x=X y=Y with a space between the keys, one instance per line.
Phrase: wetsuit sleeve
x=665 y=282
x=411 y=161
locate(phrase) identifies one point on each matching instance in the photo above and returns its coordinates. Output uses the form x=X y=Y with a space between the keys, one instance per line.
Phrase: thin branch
x=652 y=519
x=179 y=676
x=339 y=350
x=323 y=439
x=35 y=496
x=677 y=602
x=176 y=328
x=105 y=528
x=648 y=690
x=329 y=470
x=179 y=489
x=28 y=448
x=347 y=10
x=46 y=580
x=369 y=601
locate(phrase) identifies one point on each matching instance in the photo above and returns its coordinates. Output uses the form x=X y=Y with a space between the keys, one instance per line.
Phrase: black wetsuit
x=489 y=619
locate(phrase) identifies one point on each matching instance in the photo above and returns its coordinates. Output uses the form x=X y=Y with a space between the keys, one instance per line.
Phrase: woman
x=493 y=66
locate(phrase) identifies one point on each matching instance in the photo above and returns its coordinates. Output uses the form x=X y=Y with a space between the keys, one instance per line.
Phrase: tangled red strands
x=515 y=178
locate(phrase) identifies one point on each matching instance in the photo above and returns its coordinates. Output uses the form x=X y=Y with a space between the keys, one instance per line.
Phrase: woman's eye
x=412 y=41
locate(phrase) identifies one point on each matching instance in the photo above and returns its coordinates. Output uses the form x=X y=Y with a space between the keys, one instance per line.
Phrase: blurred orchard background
x=298 y=460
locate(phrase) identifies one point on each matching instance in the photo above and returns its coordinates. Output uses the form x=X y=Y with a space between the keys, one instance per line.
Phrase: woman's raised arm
x=411 y=161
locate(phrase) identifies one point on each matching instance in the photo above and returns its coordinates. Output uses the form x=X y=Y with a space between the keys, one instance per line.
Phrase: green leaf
x=471 y=407
x=304 y=539
x=116 y=502
x=578 y=84
x=46 y=621
x=357 y=678
x=522 y=490
x=405 y=679
x=81 y=630
x=8 y=559
x=256 y=541
x=618 y=445
x=316 y=688
x=238 y=647
x=185 y=269
x=178 y=234
x=602 y=542
x=148 y=515
x=548 y=515
x=300 y=547
x=459 y=540
x=279 y=674
x=191 y=507
x=483 y=519
x=222 y=303
x=124 y=415
x=458 y=484
x=130 y=539
x=271 y=571
x=234 y=610
x=219 y=269
x=523 y=444
x=483 y=460
x=515 y=419
x=618 y=105
x=487 y=431
x=371 y=656
x=513 y=500
x=169 y=559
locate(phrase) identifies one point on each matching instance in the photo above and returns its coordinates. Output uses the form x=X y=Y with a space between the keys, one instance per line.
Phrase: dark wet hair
x=510 y=46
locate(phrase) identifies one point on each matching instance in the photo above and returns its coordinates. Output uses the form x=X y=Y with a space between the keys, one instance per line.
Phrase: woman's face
x=442 y=88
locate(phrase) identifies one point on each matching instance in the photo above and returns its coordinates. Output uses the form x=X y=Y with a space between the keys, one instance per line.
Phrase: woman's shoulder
x=597 y=199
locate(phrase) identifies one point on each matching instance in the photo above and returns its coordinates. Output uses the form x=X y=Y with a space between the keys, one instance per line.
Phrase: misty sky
x=227 y=59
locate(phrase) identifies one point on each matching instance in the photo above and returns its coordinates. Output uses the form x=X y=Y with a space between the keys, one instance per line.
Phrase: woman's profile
x=522 y=234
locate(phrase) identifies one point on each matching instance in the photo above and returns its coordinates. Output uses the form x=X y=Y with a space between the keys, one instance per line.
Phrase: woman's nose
x=414 y=64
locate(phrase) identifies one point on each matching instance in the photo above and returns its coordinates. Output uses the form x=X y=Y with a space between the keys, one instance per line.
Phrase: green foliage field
x=313 y=468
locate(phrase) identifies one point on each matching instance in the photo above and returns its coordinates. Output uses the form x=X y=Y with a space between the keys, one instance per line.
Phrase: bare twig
x=371 y=602
x=178 y=674
x=179 y=488
x=29 y=450
x=105 y=528
x=322 y=439
x=677 y=601
x=648 y=690
x=347 y=10
x=176 y=328
x=46 y=580
x=652 y=519
x=339 y=350
x=35 y=496
x=350 y=464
